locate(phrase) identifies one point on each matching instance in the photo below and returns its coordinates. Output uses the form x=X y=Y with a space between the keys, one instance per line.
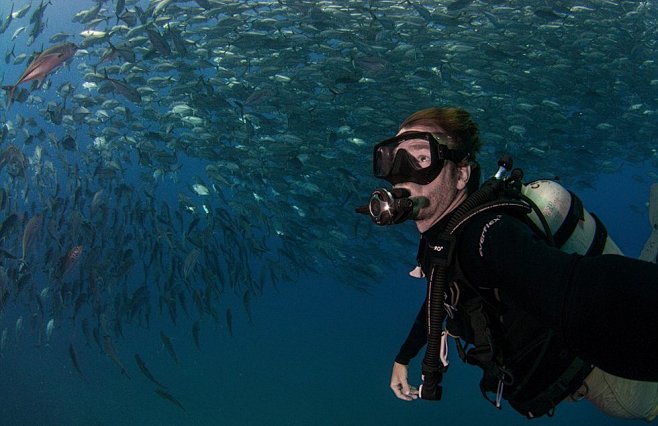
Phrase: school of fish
x=245 y=130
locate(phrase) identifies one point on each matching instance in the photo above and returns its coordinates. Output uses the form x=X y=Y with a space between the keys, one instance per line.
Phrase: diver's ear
x=463 y=174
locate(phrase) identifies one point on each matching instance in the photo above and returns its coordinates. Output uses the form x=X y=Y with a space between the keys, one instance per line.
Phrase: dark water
x=317 y=351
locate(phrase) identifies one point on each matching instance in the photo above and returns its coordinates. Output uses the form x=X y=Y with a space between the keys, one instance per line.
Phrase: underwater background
x=206 y=157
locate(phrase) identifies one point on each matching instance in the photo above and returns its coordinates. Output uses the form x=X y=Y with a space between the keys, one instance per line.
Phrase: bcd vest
x=523 y=361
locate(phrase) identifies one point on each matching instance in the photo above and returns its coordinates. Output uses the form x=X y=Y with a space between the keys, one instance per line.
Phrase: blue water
x=318 y=351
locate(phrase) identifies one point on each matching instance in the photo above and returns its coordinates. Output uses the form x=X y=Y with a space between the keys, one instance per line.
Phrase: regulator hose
x=432 y=368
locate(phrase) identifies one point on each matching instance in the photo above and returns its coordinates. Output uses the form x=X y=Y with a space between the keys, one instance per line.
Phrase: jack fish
x=109 y=350
x=70 y=259
x=124 y=89
x=170 y=348
x=45 y=63
x=74 y=360
x=170 y=398
x=31 y=231
x=142 y=366
x=49 y=329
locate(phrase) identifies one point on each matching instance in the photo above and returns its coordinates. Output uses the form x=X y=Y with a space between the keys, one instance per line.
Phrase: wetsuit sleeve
x=606 y=307
x=415 y=340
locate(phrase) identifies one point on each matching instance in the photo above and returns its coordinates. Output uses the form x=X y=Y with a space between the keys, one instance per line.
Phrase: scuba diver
x=521 y=276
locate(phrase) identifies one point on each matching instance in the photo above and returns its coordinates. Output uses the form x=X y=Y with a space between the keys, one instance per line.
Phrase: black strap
x=482 y=354
x=576 y=213
x=567 y=383
x=600 y=238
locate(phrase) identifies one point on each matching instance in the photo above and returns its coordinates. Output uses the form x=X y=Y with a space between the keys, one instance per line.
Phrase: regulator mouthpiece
x=389 y=208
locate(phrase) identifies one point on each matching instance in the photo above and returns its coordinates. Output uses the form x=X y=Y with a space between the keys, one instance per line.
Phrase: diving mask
x=416 y=157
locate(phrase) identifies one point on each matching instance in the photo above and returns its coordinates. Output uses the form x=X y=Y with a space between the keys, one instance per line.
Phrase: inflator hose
x=432 y=369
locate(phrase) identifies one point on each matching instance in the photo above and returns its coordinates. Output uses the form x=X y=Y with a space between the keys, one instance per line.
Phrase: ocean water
x=314 y=346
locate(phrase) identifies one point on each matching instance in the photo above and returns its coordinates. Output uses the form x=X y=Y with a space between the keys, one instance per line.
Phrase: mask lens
x=383 y=160
x=417 y=147
x=408 y=157
x=418 y=153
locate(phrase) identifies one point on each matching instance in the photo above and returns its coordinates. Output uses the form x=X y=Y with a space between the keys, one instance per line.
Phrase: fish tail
x=22 y=266
x=125 y=373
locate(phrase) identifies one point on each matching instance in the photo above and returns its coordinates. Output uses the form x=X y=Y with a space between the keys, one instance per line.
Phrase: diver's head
x=431 y=158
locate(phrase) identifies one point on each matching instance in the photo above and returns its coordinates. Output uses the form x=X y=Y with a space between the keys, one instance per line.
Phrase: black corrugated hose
x=432 y=368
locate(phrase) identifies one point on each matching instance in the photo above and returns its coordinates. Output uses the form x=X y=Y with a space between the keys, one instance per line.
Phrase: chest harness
x=473 y=314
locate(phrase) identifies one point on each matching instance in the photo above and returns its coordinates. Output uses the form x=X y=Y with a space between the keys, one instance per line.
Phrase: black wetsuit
x=603 y=308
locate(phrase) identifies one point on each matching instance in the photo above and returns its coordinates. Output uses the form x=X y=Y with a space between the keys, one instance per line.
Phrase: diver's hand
x=400 y=385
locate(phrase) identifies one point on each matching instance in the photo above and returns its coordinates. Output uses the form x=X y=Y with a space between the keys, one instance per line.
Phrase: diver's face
x=441 y=195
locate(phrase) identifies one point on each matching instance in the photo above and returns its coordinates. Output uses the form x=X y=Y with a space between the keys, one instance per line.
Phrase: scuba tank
x=572 y=228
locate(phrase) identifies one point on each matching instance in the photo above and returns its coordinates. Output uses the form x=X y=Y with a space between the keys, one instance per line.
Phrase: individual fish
x=179 y=42
x=19 y=327
x=45 y=63
x=196 y=328
x=7 y=254
x=166 y=395
x=246 y=302
x=166 y=341
x=229 y=321
x=109 y=350
x=124 y=89
x=22 y=11
x=86 y=16
x=200 y=189
x=74 y=360
x=120 y=6
x=158 y=42
x=37 y=15
x=84 y=324
x=17 y=33
x=10 y=18
x=190 y=262
x=70 y=260
x=49 y=329
x=97 y=201
x=31 y=232
x=192 y=225
x=142 y=366
x=204 y=4
x=79 y=302
x=458 y=5
x=160 y=6
x=59 y=37
x=15 y=161
x=113 y=52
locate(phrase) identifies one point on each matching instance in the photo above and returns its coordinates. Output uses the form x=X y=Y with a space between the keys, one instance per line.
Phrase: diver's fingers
x=401 y=393
x=404 y=392
x=400 y=384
